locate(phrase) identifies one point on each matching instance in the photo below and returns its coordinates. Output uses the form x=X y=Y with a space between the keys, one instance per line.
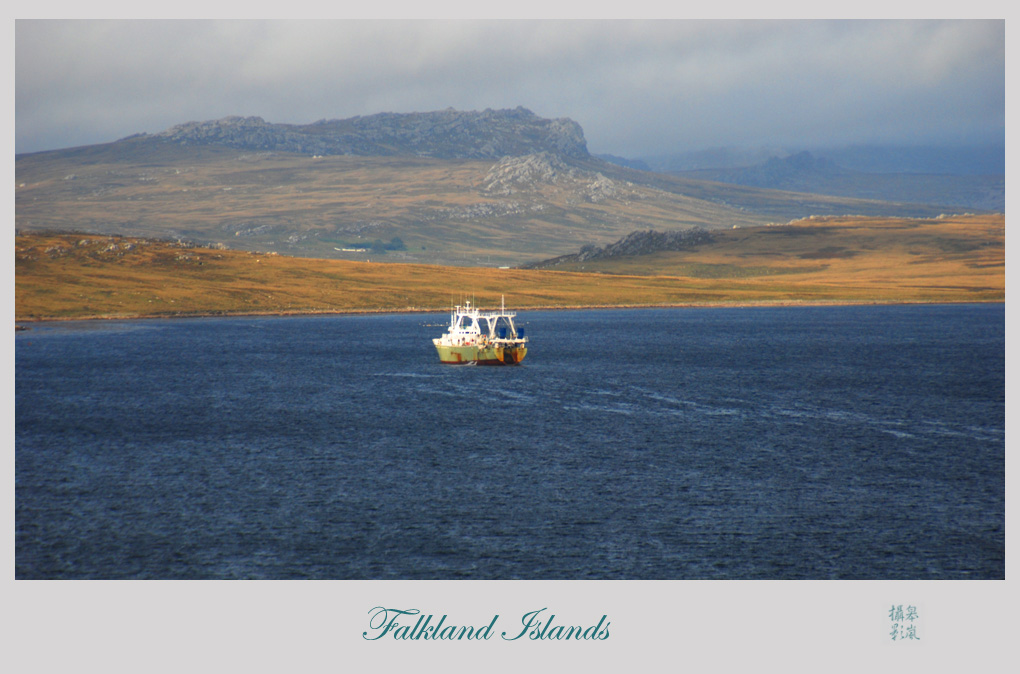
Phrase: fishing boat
x=481 y=338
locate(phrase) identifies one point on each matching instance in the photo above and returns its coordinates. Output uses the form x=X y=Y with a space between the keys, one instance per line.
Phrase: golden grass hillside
x=883 y=259
x=960 y=259
x=447 y=211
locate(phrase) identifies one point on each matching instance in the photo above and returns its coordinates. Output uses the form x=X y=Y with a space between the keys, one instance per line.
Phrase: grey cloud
x=637 y=88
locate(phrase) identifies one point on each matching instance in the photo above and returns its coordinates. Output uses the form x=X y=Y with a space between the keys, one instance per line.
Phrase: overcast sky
x=637 y=88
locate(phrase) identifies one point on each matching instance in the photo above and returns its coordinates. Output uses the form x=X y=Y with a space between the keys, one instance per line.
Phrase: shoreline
x=736 y=304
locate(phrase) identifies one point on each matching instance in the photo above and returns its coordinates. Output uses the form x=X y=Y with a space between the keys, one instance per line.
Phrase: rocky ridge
x=448 y=134
x=636 y=243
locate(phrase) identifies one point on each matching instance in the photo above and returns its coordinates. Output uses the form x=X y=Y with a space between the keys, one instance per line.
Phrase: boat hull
x=457 y=355
x=487 y=355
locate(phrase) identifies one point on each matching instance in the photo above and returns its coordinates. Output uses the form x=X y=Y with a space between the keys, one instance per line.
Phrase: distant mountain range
x=804 y=172
x=989 y=159
x=496 y=187
x=970 y=178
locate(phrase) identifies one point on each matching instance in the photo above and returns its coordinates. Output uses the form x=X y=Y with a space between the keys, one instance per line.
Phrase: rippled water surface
x=860 y=442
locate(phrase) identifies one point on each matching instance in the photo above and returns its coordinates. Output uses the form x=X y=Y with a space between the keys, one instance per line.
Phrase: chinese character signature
x=904 y=627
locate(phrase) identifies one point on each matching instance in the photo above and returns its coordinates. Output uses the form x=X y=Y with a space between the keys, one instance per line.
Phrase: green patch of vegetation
x=378 y=246
x=395 y=243
x=957 y=246
x=828 y=253
x=720 y=271
x=792 y=231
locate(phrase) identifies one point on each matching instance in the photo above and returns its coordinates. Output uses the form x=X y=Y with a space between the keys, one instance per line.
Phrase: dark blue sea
x=744 y=443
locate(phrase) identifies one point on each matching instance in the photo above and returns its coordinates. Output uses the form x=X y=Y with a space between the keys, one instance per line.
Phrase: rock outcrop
x=522 y=173
x=635 y=243
x=515 y=175
x=449 y=134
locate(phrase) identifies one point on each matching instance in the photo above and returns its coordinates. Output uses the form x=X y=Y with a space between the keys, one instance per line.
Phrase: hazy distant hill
x=638 y=164
x=918 y=175
x=987 y=160
x=966 y=160
x=497 y=187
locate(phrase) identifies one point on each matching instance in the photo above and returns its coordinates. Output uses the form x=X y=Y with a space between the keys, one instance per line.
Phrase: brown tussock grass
x=835 y=260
